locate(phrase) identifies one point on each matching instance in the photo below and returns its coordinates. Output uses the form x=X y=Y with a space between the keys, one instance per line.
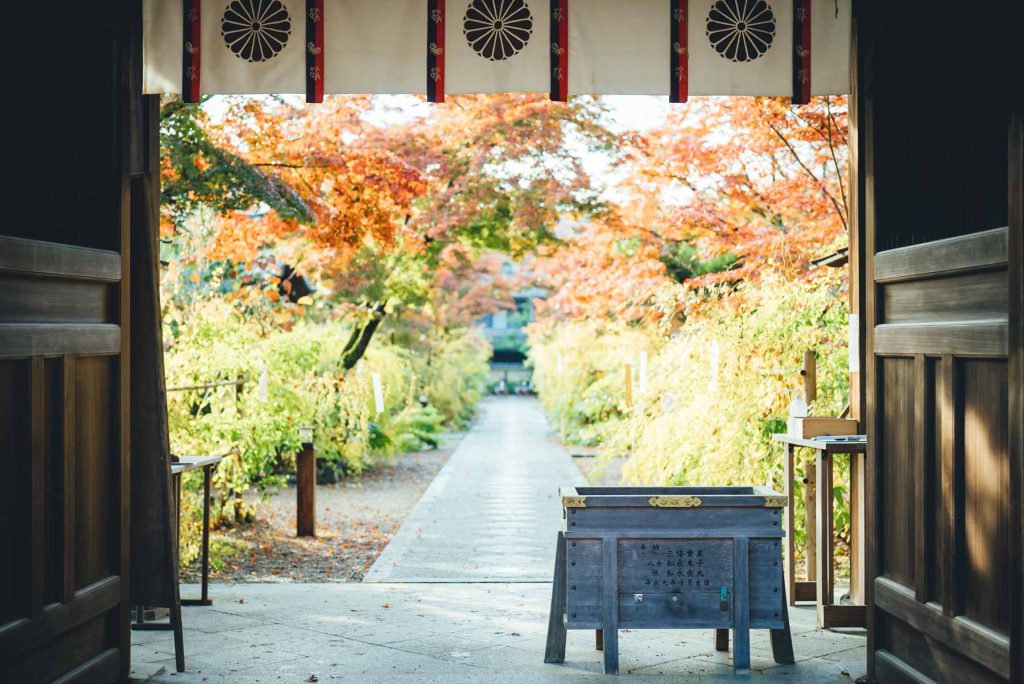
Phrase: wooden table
x=822 y=588
x=184 y=465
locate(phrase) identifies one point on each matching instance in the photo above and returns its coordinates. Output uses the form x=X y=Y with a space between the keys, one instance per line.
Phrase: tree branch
x=821 y=185
x=832 y=150
x=283 y=165
x=827 y=137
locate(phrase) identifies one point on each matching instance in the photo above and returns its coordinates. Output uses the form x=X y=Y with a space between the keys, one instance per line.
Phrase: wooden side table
x=830 y=614
x=185 y=464
x=182 y=465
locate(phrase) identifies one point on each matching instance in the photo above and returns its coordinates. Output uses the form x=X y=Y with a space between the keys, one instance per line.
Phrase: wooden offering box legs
x=670 y=558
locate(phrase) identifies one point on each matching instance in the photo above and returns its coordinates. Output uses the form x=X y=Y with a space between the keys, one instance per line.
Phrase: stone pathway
x=493 y=512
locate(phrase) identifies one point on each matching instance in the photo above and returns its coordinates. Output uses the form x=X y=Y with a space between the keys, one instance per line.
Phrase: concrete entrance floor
x=430 y=632
x=461 y=594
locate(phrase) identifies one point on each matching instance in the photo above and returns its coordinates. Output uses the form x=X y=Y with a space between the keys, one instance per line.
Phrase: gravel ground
x=356 y=519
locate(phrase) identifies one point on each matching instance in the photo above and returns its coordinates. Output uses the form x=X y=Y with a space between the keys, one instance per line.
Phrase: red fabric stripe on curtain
x=435 y=50
x=801 y=51
x=679 y=57
x=560 y=50
x=314 y=50
x=191 y=88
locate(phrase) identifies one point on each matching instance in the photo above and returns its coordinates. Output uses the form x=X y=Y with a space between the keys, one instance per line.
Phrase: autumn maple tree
x=722 y=192
x=384 y=218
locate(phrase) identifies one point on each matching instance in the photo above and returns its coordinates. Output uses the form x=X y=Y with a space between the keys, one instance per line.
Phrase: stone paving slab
x=448 y=632
x=492 y=514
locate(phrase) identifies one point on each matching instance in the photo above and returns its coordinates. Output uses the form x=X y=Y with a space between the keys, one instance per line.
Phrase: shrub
x=294 y=378
x=715 y=391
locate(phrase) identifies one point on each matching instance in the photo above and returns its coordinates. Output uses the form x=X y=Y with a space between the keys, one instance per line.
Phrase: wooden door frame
x=1015 y=254
x=126 y=142
x=861 y=244
x=857 y=137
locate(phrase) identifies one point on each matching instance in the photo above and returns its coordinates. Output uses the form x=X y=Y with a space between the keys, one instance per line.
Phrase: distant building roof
x=834 y=260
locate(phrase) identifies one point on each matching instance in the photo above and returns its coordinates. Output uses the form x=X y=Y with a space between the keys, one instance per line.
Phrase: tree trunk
x=361 y=336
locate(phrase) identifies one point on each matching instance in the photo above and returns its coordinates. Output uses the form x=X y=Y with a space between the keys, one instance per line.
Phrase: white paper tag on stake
x=378 y=394
x=716 y=352
x=854 y=343
x=261 y=386
x=642 y=371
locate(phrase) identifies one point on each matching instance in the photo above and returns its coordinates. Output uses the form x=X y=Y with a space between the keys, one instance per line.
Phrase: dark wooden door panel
x=15 y=489
x=940 y=431
x=60 y=516
x=62 y=513
x=97 y=501
x=896 y=515
x=938 y=564
x=986 y=502
x=909 y=652
x=84 y=647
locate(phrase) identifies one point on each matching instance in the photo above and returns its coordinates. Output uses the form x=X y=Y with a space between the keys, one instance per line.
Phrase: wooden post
x=810 y=373
x=239 y=389
x=610 y=604
x=207 y=482
x=857 y=527
x=741 y=605
x=305 y=466
x=153 y=548
x=629 y=384
x=824 y=557
x=790 y=567
x=554 y=651
x=811 y=517
x=782 y=639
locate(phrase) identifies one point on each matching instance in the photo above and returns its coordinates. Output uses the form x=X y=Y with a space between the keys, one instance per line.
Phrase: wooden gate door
x=63 y=361
x=939 y=389
x=944 y=507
